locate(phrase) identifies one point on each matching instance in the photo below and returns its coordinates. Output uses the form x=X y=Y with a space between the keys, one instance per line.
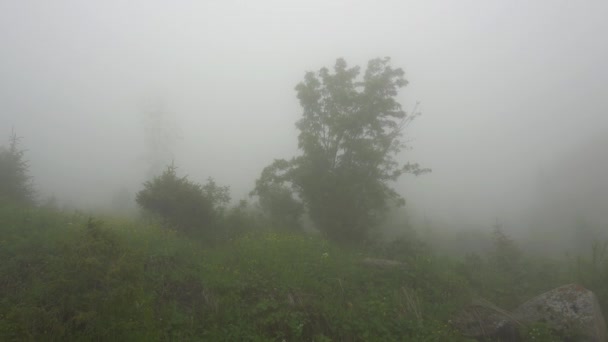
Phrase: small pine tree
x=15 y=181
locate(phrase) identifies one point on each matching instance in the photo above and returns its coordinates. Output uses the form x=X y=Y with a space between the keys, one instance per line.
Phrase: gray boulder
x=567 y=309
x=570 y=310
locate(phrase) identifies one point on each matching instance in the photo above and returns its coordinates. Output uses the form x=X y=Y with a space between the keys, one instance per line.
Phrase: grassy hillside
x=69 y=277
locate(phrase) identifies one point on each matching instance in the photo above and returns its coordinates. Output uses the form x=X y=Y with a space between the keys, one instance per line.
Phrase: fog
x=512 y=94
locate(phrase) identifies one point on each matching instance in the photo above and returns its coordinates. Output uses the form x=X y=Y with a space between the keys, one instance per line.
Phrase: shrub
x=180 y=203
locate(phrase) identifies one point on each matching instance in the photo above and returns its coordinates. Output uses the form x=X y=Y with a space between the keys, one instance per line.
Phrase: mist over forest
x=497 y=127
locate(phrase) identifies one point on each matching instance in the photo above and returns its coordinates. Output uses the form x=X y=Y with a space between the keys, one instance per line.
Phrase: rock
x=569 y=308
x=483 y=321
x=383 y=263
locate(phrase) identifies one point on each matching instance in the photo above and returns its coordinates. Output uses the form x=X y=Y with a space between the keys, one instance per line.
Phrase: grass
x=66 y=277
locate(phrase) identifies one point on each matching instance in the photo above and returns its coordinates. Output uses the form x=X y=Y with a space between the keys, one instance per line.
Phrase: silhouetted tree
x=350 y=133
x=15 y=181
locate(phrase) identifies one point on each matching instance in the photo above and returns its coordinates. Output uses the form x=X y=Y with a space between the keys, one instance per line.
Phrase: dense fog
x=512 y=95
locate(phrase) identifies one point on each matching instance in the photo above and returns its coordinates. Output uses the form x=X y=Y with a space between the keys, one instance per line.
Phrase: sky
x=507 y=89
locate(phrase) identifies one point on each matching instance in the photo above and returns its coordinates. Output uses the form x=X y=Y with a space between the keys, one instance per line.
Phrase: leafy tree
x=350 y=134
x=277 y=203
x=15 y=182
x=183 y=204
x=218 y=195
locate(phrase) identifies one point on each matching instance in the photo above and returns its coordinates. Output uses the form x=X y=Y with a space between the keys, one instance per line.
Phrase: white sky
x=506 y=87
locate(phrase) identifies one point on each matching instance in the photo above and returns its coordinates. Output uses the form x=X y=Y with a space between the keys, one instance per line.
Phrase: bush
x=180 y=203
x=241 y=219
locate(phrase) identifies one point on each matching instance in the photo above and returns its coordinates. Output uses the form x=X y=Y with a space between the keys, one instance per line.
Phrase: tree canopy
x=349 y=135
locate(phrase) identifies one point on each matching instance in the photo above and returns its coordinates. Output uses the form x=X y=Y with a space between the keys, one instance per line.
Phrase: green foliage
x=15 y=182
x=219 y=196
x=350 y=133
x=403 y=248
x=182 y=204
x=69 y=277
x=540 y=332
x=300 y=288
x=279 y=206
x=240 y=220
x=591 y=270
x=507 y=277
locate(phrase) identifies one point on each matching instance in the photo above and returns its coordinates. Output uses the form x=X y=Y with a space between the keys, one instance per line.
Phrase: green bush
x=182 y=204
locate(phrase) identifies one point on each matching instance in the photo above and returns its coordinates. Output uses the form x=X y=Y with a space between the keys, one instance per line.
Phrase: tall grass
x=69 y=277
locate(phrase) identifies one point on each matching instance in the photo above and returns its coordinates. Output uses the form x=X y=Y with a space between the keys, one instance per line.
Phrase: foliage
x=219 y=196
x=350 y=133
x=279 y=206
x=540 y=332
x=404 y=248
x=591 y=270
x=182 y=204
x=507 y=277
x=69 y=277
x=239 y=220
x=15 y=182
x=66 y=278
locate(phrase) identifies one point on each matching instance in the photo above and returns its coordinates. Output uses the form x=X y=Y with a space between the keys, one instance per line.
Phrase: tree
x=278 y=205
x=219 y=196
x=161 y=134
x=349 y=135
x=15 y=182
x=183 y=204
